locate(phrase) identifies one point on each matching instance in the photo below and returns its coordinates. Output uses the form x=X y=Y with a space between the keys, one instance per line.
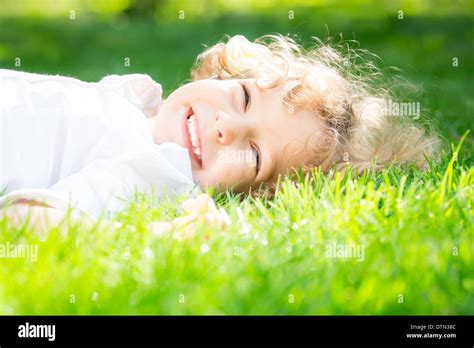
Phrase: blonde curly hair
x=342 y=86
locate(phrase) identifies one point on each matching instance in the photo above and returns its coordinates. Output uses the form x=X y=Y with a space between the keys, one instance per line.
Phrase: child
x=253 y=112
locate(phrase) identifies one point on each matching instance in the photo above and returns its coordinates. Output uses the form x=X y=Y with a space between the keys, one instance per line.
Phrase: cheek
x=222 y=175
x=211 y=177
x=205 y=92
x=189 y=93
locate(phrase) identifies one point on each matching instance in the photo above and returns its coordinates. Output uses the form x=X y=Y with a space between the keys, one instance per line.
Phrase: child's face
x=229 y=135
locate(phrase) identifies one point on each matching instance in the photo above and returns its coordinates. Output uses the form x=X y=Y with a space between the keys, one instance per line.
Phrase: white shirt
x=65 y=141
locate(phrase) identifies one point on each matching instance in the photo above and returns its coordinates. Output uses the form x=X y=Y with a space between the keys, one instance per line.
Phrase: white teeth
x=193 y=135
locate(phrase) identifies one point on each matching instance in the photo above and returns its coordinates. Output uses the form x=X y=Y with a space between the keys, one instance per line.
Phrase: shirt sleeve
x=105 y=186
x=138 y=89
x=44 y=197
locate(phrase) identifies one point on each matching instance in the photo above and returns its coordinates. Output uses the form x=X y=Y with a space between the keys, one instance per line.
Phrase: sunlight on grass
x=414 y=253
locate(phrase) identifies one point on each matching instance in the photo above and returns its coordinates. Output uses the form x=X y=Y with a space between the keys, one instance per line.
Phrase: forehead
x=290 y=134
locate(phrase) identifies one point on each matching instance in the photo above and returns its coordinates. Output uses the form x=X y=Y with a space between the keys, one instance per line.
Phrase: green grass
x=416 y=227
x=416 y=231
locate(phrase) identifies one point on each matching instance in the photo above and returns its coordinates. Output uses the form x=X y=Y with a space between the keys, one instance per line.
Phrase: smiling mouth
x=193 y=135
x=192 y=140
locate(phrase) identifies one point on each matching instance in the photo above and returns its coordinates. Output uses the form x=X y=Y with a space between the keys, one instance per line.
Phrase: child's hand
x=197 y=210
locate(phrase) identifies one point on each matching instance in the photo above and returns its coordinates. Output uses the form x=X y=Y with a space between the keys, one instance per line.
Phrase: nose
x=231 y=128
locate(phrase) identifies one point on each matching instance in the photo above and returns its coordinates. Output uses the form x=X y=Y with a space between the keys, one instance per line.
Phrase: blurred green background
x=88 y=39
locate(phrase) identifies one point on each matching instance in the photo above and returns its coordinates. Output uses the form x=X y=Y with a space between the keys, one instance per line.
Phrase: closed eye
x=247 y=97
